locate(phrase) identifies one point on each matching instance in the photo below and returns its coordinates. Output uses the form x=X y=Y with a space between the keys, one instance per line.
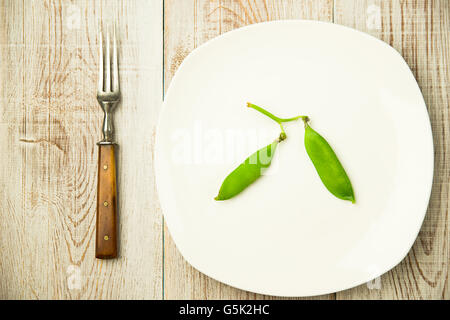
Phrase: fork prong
x=100 y=59
x=107 y=81
x=115 y=71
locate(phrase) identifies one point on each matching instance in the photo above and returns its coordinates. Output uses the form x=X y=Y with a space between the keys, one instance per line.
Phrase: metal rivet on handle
x=105 y=167
x=105 y=203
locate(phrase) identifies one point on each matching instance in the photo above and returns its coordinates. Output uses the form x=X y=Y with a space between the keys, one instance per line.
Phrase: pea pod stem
x=276 y=119
x=272 y=116
x=305 y=121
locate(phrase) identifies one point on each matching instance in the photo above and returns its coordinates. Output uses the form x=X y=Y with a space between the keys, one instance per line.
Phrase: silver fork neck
x=108 y=124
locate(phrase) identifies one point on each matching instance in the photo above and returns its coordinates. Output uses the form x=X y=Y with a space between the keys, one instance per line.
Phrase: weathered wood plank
x=419 y=30
x=188 y=24
x=25 y=158
x=51 y=123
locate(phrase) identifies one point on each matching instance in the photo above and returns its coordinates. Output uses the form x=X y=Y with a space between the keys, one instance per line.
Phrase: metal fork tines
x=108 y=93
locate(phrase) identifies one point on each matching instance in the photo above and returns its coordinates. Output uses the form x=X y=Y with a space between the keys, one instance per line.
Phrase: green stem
x=305 y=120
x=283 y=135
x=274 y=117
x=282 y=129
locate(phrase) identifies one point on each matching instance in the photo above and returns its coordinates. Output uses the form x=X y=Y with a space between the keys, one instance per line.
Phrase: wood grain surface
x=50 y=122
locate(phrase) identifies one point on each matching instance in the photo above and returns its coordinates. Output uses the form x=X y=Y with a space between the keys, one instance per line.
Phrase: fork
x=108 y=96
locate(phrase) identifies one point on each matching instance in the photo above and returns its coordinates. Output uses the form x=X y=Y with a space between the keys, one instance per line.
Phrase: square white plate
x=286 y=235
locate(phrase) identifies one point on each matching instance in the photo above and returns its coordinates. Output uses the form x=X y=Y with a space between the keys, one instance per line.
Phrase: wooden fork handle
x=106 y=227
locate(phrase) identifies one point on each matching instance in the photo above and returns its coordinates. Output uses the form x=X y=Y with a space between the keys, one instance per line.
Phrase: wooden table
x=50 y=122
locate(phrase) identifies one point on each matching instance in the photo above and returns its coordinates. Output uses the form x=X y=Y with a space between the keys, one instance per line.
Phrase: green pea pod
x=330 y=170
x=247 y=172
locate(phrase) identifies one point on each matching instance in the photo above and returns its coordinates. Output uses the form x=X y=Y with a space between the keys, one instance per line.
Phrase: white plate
x=286 y=235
